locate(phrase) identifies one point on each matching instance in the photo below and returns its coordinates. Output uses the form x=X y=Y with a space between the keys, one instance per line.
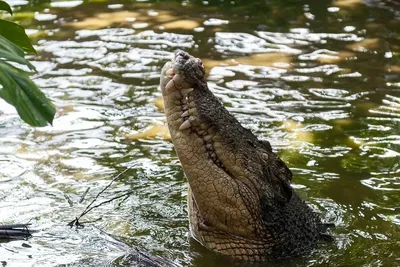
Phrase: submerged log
x=15 y=231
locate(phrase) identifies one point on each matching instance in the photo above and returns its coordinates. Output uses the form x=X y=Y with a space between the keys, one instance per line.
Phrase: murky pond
x=319 y=79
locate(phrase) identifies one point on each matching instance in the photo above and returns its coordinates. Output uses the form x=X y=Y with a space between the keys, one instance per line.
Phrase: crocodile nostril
x=182 y=54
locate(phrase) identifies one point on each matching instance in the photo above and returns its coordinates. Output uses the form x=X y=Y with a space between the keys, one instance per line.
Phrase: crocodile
x=240 y=199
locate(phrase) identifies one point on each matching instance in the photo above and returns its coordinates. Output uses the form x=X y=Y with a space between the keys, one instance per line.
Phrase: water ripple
x=150 y=38
x=326 y=99
x=302 y=36
x=383 y=183
x=237 y=42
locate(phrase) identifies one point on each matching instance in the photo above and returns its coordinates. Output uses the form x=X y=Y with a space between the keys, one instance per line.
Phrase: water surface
x=319 y=79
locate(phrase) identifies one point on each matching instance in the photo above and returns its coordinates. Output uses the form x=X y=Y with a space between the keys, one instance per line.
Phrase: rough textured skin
x=240 y=199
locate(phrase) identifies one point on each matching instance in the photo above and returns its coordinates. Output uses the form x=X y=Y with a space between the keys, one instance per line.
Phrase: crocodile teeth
x=186 y=91
x=177 y=79
x=185 y=114
x=170 y=85
x=185 y=125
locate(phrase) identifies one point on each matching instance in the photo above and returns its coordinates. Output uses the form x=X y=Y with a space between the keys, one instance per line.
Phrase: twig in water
x=71 y=204
x=84 y=195
x=107 y=201
x=76 y=222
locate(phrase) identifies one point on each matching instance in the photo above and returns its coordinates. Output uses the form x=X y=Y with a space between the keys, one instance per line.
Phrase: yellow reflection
x=331 y=59
x=394 y=68
x=291 y=125
x=140 y=19
x=152 y=131
x=159 y=103
x=306 y=137
x=164 y=16
x=281 y=60
x=298 y=135
x=181 y=25
x=367 y=44
x=24 y=16
x=343 y=122
x=102 y=20
x=351 y=142
x=278 y=60
x=347 y=3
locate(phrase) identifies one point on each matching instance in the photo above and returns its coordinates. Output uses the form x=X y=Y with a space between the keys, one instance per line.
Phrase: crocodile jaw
x=215 y=202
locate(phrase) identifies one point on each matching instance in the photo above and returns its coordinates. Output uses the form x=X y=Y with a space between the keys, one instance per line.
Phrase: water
x=319 y=79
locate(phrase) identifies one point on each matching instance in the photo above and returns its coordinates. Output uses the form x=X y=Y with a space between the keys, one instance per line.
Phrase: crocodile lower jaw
x=185 y=114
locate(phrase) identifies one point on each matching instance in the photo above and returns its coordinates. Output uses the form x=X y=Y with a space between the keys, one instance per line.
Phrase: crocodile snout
x=182 y=72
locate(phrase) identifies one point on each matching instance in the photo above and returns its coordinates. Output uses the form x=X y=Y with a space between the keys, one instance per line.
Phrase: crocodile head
x=240 y=199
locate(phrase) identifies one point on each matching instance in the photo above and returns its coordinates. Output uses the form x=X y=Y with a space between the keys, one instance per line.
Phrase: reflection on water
x=319 y=79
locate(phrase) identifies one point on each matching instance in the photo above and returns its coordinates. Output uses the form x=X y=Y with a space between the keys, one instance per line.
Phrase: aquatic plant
x=16 y=87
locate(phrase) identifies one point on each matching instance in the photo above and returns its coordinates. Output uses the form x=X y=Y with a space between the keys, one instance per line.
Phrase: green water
x=319 y=79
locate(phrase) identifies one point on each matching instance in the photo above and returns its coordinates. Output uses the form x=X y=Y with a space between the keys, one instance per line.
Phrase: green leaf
x=16 y=34
x=18 y=90
x=4 y=6
x=11 y=52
